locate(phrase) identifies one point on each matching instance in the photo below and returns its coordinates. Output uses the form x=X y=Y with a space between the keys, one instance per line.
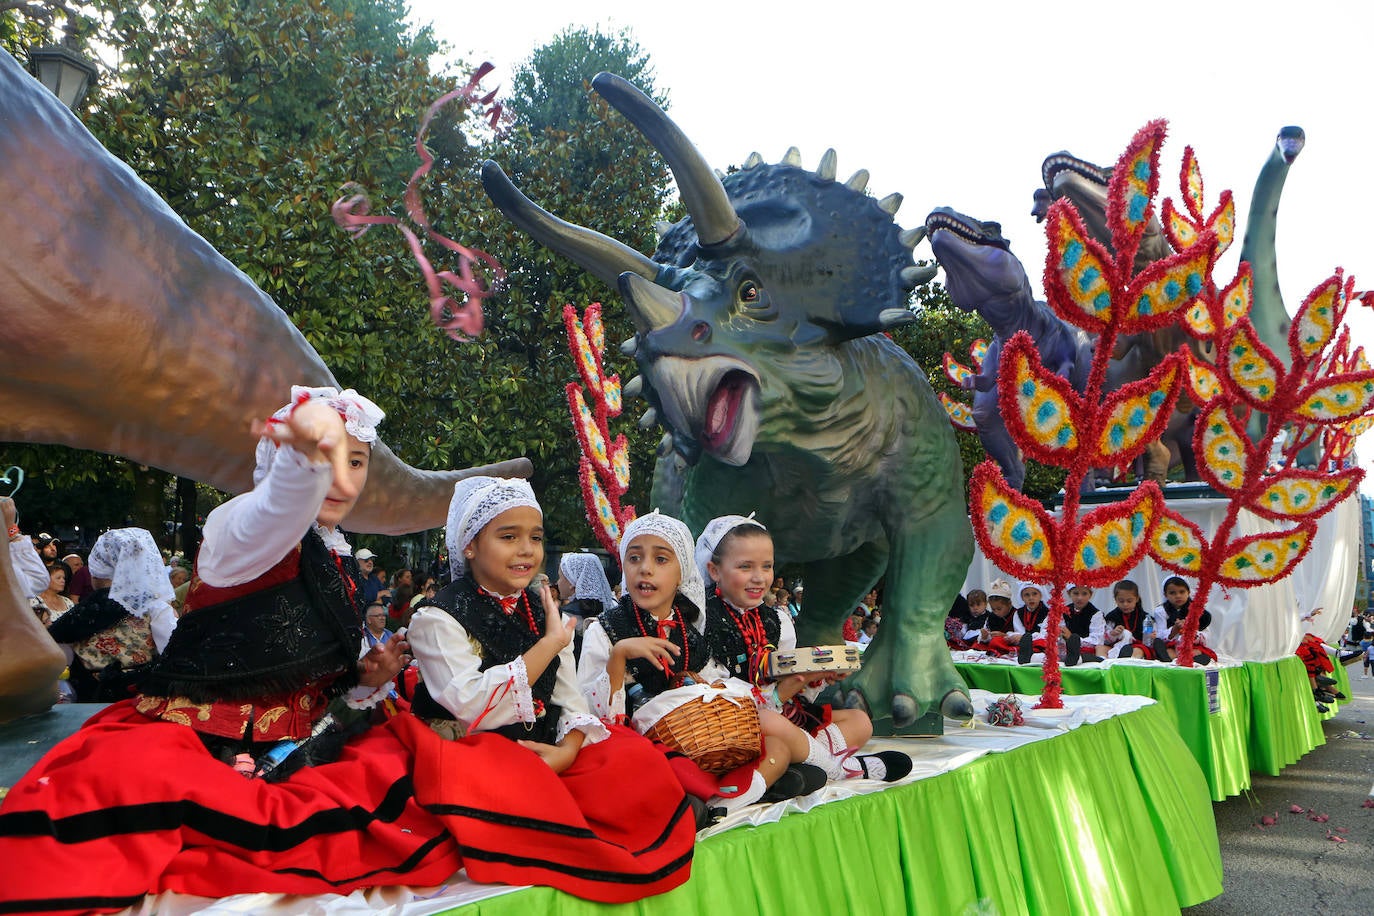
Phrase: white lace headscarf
x=716 y=529
x=476 y=501
x=588 y=578
x=130 y=559
x=679 y=537
x=361 y=418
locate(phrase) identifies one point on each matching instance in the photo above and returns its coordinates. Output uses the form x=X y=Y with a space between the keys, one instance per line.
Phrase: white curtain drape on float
x=1257 y=624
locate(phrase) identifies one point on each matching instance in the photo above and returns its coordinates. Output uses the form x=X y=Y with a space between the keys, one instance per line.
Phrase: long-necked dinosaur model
x=757 y=325
x=124 y=332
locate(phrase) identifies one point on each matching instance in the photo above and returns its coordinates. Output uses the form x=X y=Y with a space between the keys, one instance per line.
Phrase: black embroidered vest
x=275 y=640
x=619 y=623
x=725 y=639
x=1079 y=623
x=502 y=638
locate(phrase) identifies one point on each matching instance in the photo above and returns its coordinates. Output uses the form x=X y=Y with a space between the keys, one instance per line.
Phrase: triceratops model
x=983 y=276
x=758 y=337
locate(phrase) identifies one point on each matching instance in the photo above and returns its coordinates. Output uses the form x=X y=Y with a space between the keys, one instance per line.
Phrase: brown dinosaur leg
x=30 y=661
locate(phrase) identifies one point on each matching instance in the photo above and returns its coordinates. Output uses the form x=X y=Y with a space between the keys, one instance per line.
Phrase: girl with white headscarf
x=497 y=664
x=125 y=622
x=251 y=685
x=655 y=634
x=582 y=579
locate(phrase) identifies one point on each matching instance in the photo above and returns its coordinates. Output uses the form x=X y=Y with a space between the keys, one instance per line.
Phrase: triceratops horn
x=858 y=181
x=912 y=237
x=651 y=306
x=792 y=156
x=634 y=387
x=891 y=204
x=913 y=277
x=603 y=257
x=702 y=192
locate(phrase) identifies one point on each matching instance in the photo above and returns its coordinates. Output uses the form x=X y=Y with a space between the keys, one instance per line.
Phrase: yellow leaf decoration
x=1303 y=494
x=960 y=414
x=1176 y=544
x=1224 y=450
x=1182 y=231
x=1264 y=557
x=620 y=463
x=1112 y=539
x=1237 y=298
x=1133 y=184
x=1138 y=412
x=956 y=371
x=1166 y=287
x=586 y=422
x=1255 y=373
x=1075 y=271
x=1317 y=319
x=1192 y=182
x=1197 y=319
x=1346 y=398
x=604 y=517
x=596 y=334
x=1041 y=403
x=978 y=351
x=584 y=356
x=1013 y=533
x=1203 y=383
x=611 y=392
x=1223 y=223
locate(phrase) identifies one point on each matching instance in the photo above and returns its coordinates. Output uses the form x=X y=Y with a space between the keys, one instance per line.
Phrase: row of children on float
x=1087 y=633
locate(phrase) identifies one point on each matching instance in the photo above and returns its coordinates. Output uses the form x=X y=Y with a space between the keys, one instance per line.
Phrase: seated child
x=736 y=554
x=598 y=811
x=1124 y=627
x=987 y=630
x=1178 y=599
x=870 y=630
x=1080 y=619
x=655 y=637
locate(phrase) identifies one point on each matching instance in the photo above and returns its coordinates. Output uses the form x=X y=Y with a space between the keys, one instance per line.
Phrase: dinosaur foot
x=957 y=705
x=905 y=710
x=854 y=699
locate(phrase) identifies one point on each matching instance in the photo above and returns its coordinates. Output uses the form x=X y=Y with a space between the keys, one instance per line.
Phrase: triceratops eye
x=749 y=293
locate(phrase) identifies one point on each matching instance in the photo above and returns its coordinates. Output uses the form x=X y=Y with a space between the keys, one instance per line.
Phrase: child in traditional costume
x=1125 y=627
x=736 y=554
x=151 y=795
x=538 y=789
x=1178 y=601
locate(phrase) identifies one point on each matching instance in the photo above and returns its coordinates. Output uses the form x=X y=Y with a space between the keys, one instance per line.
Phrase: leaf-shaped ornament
x=1040 y=409
x=959 y=413
x=1013 y=530
x=1132 y=188
x=1079 y=273
x=1112 y=539
x=1337 y=400
x=1136 y=414
x=1303 y=494
x=1261 y=558
x=1167 y=286
x=1177 y=544
x=1252 y=367
x=1222 y=449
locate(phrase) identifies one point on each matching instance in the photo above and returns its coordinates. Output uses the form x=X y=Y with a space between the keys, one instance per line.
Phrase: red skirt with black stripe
x=129 y=806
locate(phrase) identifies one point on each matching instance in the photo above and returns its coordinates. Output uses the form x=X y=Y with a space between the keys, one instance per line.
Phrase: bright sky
x=957 y=104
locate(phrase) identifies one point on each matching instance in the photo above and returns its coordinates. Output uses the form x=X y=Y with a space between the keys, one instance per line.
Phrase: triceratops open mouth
x=715 y=400
x=1066 y=164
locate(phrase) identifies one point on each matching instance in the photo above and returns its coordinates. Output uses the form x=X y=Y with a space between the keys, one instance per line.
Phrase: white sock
x=820 y=756
x=834 y=739
x=750 y=795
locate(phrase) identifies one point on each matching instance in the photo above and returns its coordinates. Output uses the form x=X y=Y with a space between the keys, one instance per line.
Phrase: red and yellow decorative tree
x=604 y=471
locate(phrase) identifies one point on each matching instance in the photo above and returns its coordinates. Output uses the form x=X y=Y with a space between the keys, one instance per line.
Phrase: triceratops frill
x=757 y=325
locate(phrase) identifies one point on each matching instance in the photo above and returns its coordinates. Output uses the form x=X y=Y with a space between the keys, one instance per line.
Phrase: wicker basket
x=716 y=734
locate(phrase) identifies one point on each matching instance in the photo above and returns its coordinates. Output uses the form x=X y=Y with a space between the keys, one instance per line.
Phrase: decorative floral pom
x=1317 y=318
x=960 y=414
x=978 y=351
x=1079 y=273
x=1114 y=537
x=1337 y=400
x=1264 y=557
x=1006 y=712
x=1303 y=494
x=1251 y=365
x=1166 y=287
x=1137 y=414
x=1222 y=449
x=1041 y=410
x=1177 y=544
x=955 y=371
x=1014 y=530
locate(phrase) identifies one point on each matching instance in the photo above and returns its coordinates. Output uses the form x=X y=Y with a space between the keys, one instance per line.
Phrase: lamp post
x=68 y=75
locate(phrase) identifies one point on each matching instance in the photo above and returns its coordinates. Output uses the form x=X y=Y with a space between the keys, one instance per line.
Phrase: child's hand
x=558 y=756
x=789 y=686
x=316 y=431
x=555 y=630
x=384 y=661
x=661 y=651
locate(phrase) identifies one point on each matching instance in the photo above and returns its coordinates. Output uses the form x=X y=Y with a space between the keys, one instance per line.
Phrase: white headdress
x=476 y=501
x=588 y=577
x=716 y=529
x=999 y=588
x=130 y=559
x=1044 y=593
x=679 y=537
x=360 y=417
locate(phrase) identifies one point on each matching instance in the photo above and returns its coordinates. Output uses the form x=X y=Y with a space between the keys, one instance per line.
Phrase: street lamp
x=68 y=75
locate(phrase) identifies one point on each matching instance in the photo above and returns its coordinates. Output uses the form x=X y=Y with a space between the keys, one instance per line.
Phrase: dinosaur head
x=980 y=270
x=1290 y=142
x=740 y=311
x=1085 y=186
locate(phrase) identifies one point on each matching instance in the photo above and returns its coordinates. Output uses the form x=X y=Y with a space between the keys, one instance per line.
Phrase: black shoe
x=1072 y=651
x=1341 y=696
x=1090 y=657
x=1324 y=681
x=1161 y=650
x=1025 y=649
x=1323 y=708
x=797 y=779
x=1324 y=696
x=701 y=814
x=896 y=763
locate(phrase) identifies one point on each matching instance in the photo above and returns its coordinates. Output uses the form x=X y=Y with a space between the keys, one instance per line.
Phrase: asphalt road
x=1293 y=867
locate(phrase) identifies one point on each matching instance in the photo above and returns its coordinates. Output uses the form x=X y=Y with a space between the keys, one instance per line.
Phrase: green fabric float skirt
x=1109 y=818
x=1267 y=717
